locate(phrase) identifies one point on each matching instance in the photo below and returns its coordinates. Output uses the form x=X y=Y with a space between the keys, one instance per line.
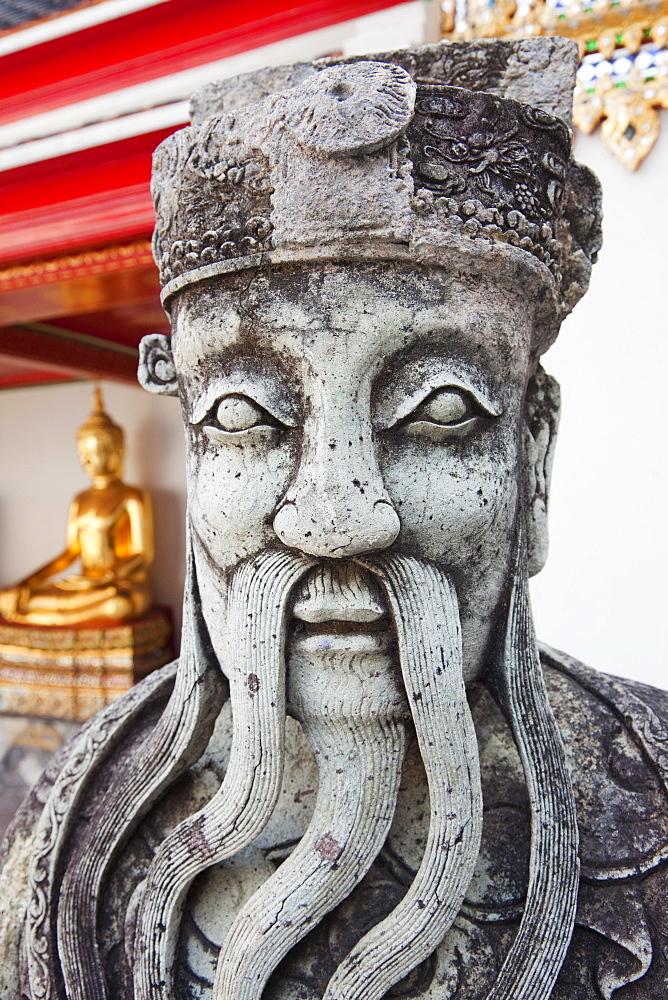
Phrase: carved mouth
x=340 y=607
x=344 y=636
x=341 y=593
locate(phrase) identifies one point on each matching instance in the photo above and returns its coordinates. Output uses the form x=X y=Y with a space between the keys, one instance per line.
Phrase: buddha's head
x=100 y=443
x=362 y=273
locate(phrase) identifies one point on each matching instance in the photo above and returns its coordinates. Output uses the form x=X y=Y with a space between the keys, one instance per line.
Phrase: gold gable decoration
x=623 y=77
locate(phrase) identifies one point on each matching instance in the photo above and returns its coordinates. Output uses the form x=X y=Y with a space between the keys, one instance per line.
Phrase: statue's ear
x=156 y=371
x=541 y=419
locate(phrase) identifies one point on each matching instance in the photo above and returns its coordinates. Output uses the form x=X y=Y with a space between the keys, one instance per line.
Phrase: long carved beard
x=356 y=727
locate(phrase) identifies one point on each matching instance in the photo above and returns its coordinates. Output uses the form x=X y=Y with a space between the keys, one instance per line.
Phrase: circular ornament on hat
x=352 y=109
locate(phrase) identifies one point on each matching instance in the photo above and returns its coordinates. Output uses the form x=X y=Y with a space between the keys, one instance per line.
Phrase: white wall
x=603 y=594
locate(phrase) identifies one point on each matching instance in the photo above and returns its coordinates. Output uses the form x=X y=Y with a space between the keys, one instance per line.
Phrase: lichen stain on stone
x=329 y=848
x=253 y=682
x=197 y=841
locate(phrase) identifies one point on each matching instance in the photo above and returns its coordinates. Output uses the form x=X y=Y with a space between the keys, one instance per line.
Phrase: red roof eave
x=101 y=194
x=86 y=198
x=155 y=42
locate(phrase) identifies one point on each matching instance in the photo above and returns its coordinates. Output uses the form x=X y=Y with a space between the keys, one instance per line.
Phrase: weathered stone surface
x=613 y=938
x=534 y=71
x=362 y=778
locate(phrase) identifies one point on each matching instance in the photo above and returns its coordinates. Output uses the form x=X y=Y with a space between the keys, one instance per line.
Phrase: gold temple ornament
x=623 y=78
x=71 y=644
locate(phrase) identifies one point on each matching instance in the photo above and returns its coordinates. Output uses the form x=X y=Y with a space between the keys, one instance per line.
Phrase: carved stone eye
x=447 y=407
x=448 y=413
x=238 y=413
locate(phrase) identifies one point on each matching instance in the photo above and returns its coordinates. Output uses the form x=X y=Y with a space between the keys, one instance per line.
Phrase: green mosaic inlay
x=592 y=45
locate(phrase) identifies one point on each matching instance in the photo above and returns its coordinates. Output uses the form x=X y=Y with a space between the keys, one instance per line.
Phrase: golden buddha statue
x=109 y=529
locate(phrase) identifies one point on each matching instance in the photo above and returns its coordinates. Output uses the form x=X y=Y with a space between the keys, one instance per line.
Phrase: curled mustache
x=240 y=809
x=353 y=712
x=358 y=736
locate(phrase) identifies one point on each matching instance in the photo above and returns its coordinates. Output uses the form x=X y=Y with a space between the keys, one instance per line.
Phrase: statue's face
x=98 y=454
x=346 y=410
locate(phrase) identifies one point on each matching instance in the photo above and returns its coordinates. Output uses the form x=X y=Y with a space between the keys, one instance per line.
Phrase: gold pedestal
x=72 y=672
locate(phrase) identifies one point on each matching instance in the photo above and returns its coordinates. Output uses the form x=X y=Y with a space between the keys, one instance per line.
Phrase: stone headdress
x=405 y=156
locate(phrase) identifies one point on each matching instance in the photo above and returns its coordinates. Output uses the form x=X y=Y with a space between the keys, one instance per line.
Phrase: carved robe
x=616 y=738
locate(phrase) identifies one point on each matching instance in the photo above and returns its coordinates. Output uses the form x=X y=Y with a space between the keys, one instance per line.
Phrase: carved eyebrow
x=419 y=380
x=266 y=391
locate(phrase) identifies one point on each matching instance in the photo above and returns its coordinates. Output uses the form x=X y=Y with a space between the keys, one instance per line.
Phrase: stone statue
x=362 y=778
x=109 y=529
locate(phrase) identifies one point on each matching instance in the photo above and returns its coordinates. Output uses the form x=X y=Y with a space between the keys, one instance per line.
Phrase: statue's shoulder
x=617 y=692
x=640 y=708
x=615 y=733
x=609 y=687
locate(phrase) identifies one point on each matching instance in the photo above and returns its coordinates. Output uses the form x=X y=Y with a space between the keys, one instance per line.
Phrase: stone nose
x=334 y=530
x=338 y=506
